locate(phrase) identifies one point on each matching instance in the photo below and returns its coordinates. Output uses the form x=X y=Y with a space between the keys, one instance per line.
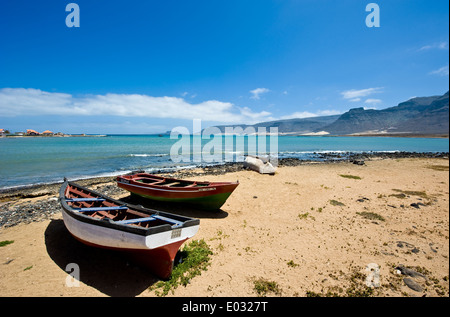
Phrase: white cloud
x=258 y=91
x=355 y=95
x=307 y=114
x=328 y=112
x=21 y=102
x=255 y=116
x=440 y=46
x=443 y=71
x=373 y=101
x=16 y=102
x=299 y=115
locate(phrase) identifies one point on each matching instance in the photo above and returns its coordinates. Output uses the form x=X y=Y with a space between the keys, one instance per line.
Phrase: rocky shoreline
x=38 y=202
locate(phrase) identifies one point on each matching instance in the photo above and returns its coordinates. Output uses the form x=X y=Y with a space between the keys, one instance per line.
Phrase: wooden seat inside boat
x=136 y=220
x=101 y=208
x=175 y=223
x=149 y=181
x=156 y=183
x=172 y=184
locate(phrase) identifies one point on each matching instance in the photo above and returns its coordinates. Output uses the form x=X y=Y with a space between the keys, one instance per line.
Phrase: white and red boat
x=148 y=236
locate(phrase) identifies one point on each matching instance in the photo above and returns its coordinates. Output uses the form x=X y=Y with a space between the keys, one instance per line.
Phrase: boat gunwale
x=108 y=223
x=209 y=185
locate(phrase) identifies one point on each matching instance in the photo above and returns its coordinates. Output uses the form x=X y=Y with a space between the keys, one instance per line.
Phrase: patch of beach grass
x=356 y=288
x=400 y=196
x=195 y=259
x=6 y=242
x=349 y=176
x=371 y=215
x=336 y=203
x=263 y=286
x=221 y=235
x=305 y=216
x=443 y=168
x=421 y=194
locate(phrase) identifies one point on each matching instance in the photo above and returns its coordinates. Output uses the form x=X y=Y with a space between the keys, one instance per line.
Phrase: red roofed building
x=32 y=132
x=47 y=132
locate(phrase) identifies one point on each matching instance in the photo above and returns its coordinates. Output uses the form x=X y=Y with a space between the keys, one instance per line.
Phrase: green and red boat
x=206 y=195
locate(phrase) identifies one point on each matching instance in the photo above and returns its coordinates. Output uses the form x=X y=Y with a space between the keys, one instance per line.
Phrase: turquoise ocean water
x=26 y=161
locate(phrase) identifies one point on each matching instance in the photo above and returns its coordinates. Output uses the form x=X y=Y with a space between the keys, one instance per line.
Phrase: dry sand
x=305 y=228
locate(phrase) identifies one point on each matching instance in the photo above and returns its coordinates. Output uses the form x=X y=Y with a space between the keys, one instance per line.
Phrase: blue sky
x=148 y=66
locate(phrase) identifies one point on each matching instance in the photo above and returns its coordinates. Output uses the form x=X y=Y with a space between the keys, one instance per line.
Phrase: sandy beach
x=322 y=229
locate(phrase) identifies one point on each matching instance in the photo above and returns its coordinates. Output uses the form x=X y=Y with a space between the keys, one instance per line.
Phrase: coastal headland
x=366 y=225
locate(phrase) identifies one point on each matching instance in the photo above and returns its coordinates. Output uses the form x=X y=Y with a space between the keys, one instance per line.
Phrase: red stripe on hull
x=182 y=193
x=159 y=261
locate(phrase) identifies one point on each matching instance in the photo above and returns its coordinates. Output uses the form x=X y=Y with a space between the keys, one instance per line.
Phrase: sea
x=28 y=161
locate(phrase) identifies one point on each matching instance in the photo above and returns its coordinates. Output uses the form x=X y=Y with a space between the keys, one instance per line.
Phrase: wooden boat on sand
x=207 y=195
x=150 y=237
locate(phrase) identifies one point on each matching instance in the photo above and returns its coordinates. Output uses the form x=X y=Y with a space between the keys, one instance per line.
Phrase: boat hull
x=208 y=197
x=159 y=261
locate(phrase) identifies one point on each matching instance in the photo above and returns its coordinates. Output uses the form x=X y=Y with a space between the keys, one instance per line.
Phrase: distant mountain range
x=417 y=116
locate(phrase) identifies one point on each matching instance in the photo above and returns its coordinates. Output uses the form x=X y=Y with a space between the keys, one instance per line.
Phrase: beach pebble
x=431 y=247
x=8 y=260
x=412 y=284
x=409 y=272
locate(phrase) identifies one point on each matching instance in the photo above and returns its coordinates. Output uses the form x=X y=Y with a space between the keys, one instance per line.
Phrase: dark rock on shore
x=410 y=272
x=412 y=278
x=412 y=284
